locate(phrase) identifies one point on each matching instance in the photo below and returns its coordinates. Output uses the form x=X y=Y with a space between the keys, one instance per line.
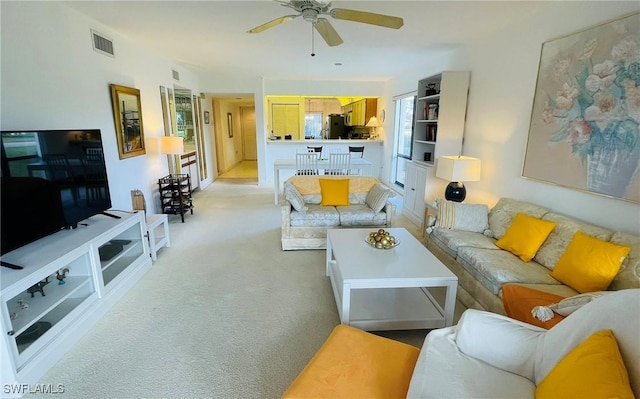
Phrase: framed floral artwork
x=584 y=132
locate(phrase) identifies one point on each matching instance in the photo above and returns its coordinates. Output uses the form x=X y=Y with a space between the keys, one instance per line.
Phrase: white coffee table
x=379 y=289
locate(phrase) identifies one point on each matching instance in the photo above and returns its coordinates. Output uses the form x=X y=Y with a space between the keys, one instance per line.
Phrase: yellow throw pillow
x=334 y=192
x=594 y=369
x=589 y=264
x=525 y=236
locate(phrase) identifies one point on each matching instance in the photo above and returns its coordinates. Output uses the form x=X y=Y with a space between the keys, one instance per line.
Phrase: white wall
x=52 y=79
x=503 y=76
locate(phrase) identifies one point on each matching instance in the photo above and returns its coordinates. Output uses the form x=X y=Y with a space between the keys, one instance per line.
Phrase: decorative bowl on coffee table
x=381 y=239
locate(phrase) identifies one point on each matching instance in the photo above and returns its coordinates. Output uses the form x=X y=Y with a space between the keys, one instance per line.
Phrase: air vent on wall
x=175 y=74
x=101 y=44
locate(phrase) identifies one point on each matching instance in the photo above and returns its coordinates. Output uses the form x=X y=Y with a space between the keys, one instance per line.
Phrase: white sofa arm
x=285 y=211
x=390 y=210
x=502 y=342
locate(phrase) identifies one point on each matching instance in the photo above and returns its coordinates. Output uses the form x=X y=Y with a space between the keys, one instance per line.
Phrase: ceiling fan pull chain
x=313 y=52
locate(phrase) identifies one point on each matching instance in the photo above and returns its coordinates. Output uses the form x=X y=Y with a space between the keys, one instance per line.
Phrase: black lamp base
x=455 y=191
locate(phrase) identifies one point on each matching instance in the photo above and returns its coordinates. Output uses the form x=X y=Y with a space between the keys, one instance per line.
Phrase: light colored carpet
x=223 y=313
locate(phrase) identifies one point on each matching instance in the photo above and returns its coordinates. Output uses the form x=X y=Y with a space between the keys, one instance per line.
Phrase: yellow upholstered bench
x=356 y=364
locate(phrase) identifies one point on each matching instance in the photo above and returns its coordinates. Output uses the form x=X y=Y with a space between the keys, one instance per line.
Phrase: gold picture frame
x=127 y=114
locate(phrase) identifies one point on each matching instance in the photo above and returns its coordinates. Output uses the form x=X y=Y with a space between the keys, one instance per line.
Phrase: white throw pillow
x=566 y=306
x=459 y=216
x=294 y=197
x=377 y=197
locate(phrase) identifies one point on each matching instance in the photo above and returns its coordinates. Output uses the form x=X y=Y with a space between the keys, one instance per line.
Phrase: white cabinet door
x=414 y=190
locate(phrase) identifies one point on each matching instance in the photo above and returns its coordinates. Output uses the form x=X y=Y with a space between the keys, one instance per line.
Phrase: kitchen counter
x=287 y=149
x=323 y=142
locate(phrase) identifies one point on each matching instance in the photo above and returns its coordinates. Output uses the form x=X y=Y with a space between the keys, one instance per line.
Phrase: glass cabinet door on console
x=40 y=312
x=120 y=252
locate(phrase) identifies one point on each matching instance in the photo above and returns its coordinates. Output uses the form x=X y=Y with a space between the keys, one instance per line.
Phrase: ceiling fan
x=312 y=11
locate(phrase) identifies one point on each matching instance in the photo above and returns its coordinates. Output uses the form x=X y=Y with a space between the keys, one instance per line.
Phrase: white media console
x=101 y=261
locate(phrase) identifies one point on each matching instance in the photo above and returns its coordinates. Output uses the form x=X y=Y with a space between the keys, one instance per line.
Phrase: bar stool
x=315 y=149
x=357 y=149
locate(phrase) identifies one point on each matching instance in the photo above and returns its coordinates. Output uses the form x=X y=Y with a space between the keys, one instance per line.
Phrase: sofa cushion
x=309 y=187
x=570 y=304
x=629 y=274
x=294 y=197
x=525 y=235
x=558 y=289
x=589 y=264
x=450 y=240
x=557 y=242
x=316 y=216
x=469 y=217
x=593 y=369
x=334 y=192
x=444 y=371
x=617 y=311
x=495 y=267
x=360 y=215
x=377 y=197
x=502 y=214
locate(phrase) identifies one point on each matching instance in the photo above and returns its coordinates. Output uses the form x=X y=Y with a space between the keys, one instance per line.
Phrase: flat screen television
x=51 y=180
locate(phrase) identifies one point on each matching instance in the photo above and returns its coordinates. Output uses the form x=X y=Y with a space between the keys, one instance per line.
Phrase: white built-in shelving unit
x=438 y=129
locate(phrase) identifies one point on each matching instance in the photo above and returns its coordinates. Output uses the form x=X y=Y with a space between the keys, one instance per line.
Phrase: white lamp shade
x=373 y=122
x=171 y=145
x=458 y=168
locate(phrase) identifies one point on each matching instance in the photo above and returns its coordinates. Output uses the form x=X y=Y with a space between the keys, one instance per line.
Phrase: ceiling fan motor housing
x=310 y=15
x=312 y=11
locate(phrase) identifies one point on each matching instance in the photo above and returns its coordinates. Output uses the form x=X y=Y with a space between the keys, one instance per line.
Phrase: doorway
x=235 y=137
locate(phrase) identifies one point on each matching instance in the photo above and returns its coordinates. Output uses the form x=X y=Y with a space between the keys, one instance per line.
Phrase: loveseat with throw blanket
x=313 y=204
x=465 y=237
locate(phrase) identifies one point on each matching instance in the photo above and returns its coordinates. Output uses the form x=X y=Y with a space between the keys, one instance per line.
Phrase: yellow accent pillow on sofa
x=525 y=236
x=594 y=369
x=335 y=192
x=589 y=264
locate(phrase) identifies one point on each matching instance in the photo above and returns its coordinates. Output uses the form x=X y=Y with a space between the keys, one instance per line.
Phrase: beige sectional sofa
x=482 y=267
x=305 y=221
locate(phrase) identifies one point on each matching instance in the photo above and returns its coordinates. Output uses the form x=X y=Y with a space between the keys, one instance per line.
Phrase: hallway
x=247 y=170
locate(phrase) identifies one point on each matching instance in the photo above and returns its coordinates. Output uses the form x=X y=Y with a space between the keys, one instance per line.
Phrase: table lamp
x=457 y=169
x=374 y=123
x=172 y=146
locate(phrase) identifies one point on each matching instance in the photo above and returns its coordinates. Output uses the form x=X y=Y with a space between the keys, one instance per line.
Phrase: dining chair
x=95 y=178
x=357 y=149
x=307 y=164
x=318 y=150
x=339 y=164
x=60 y=171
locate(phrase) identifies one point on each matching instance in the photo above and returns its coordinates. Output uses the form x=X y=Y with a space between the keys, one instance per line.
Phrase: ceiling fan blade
x=273 y=23
x=324 y=28
x=386 y=21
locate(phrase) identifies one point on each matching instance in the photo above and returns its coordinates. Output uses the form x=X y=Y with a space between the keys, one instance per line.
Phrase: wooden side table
x=158 y=231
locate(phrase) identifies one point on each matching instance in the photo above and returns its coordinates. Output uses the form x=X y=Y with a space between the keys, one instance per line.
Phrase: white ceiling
x=210 y=36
